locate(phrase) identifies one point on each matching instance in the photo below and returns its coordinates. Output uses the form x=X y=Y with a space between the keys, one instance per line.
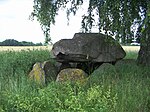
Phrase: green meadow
x=125 y=89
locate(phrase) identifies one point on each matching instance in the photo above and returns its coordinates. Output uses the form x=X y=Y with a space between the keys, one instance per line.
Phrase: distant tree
x=115 y=17
x=10 y=42
x=25 y=43
x=39 y=44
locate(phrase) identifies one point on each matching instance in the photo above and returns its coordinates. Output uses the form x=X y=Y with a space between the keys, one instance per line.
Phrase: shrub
x=61 y=97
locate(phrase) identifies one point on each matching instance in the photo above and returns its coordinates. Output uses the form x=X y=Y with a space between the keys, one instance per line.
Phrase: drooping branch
x=46 y=10
x=112 y=16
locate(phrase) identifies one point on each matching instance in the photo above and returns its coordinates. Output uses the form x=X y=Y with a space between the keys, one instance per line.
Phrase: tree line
x=12 y=42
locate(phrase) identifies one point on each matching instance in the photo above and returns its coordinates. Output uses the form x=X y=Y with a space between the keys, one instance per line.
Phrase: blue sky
x=15 y=23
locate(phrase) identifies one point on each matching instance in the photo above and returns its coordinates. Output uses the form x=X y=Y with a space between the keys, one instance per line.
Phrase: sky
x=15 y=23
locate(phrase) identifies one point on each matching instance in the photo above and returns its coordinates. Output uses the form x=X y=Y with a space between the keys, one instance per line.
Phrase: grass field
x=125 y=89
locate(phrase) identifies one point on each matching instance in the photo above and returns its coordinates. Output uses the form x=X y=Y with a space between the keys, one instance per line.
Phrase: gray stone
x=37 y=74
x=50 y=71
x=73 y=75
x=105 y=68
x=43 y=73
x=94 y=47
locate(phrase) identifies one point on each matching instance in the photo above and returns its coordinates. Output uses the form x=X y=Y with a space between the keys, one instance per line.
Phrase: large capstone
x=88 y=47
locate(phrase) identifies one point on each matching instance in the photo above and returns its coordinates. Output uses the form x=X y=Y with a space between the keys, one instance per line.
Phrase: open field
x=131 y=48
x=19 y=48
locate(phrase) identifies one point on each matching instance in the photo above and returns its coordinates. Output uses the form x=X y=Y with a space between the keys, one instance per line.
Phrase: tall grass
x=130 y=82
x=131 y=55
x=14 y=67
x=123 y=89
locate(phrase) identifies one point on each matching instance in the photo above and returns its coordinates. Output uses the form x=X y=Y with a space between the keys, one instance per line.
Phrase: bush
x=61 y=97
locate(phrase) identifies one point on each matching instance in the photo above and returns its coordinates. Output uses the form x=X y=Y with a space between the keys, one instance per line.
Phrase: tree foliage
x=12 y=42
x=115 y=17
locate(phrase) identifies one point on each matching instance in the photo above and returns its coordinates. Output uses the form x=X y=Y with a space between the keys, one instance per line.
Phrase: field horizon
x=48 y=47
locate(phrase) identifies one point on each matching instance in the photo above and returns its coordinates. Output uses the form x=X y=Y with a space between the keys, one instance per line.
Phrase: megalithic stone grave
x=91 y=48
